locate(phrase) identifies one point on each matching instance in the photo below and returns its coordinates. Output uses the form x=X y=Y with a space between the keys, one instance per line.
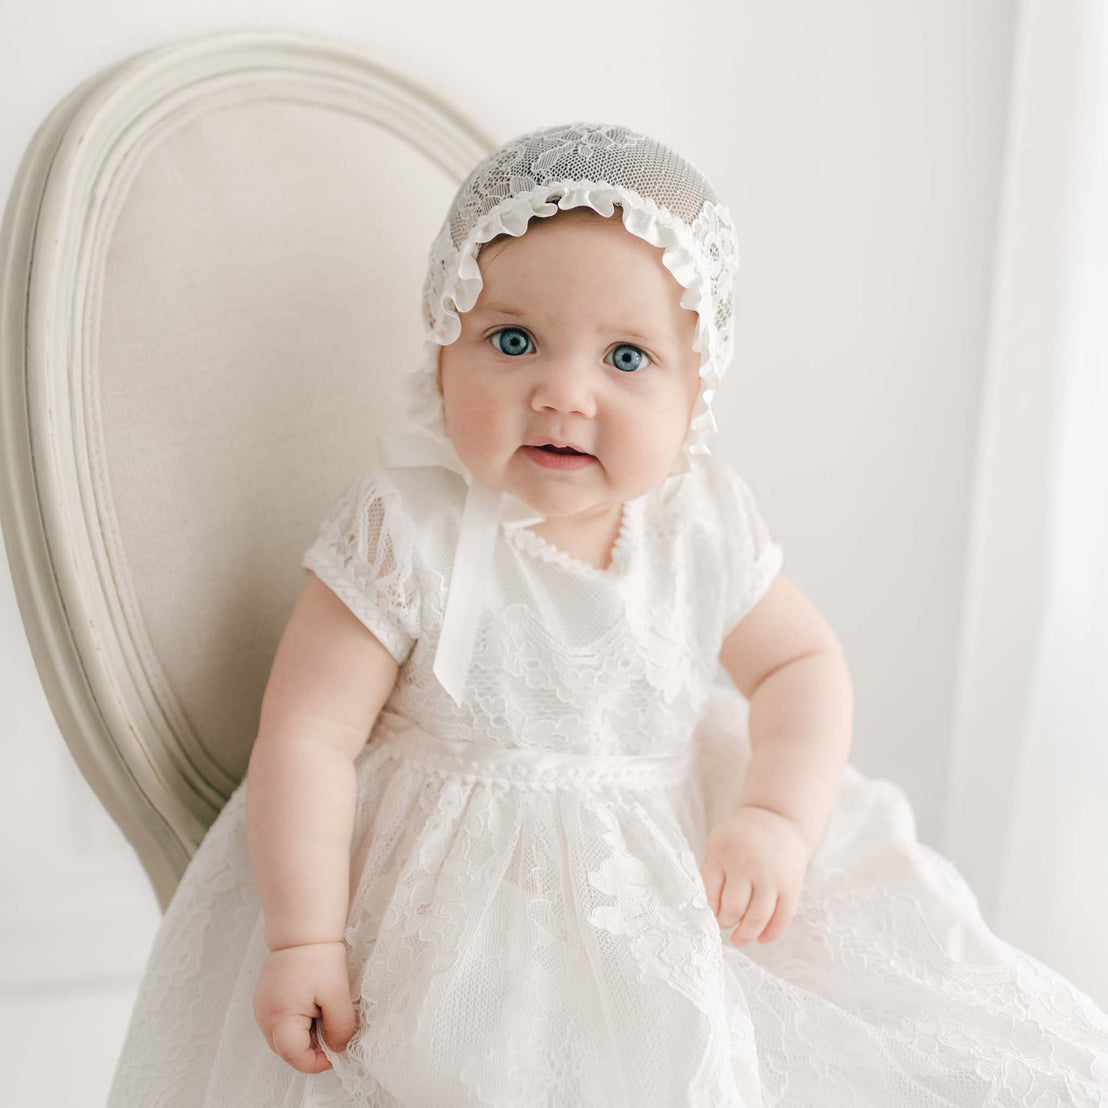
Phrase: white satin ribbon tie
x=485 y=509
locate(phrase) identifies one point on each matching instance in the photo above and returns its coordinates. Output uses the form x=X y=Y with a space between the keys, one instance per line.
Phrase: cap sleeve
x=364 y=553
x=754 y=557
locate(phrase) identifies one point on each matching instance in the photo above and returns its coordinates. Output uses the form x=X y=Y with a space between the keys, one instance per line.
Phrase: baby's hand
x=758 y=859
x=295 y=985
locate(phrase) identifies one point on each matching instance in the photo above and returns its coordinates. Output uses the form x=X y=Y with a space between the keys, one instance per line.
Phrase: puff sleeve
x=754 y=558
x=365 y=553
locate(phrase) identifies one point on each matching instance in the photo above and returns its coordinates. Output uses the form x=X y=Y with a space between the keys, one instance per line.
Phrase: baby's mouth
x=552 y=457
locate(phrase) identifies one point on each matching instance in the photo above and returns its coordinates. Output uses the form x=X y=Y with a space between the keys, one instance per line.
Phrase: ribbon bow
x=485 y=509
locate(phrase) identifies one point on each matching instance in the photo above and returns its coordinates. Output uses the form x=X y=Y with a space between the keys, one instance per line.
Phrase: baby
x=474 y=860
x=577 y=342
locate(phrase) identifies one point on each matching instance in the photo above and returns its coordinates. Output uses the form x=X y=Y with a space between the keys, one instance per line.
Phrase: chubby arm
x=785 y=659
x=329 y=680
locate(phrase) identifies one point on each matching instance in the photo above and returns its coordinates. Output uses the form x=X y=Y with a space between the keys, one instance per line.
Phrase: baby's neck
x=590 y=543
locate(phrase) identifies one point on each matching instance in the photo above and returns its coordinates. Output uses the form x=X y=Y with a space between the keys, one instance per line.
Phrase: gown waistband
x=541 y=769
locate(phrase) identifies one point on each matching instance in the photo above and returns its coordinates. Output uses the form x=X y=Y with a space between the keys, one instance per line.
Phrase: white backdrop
x=860 y=146
x=1028 y=818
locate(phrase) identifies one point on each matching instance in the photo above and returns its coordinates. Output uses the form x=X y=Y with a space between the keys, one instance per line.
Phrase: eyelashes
x=514 y=341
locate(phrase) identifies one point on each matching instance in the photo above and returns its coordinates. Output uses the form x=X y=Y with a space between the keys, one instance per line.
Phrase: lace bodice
x=568 y=657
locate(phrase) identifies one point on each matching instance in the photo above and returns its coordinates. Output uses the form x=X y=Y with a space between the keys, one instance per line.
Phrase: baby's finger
x=338 y=1018
x=712 y=876
x=757 y=915
x=786 y=909
x=291 y=1040
x=733 y=900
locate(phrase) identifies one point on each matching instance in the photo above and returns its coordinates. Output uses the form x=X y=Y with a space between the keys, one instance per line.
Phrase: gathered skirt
x=529 y=928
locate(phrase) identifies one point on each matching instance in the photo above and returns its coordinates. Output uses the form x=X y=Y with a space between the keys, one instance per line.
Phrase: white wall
x=859 y=146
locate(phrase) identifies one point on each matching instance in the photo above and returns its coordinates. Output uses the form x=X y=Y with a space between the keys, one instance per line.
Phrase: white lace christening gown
x=527 y=923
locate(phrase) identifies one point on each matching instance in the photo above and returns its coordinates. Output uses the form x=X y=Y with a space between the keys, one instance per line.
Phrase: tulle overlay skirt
x=530 y=928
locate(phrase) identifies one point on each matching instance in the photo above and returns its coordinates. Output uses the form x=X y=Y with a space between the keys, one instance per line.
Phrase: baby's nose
x=568 y=387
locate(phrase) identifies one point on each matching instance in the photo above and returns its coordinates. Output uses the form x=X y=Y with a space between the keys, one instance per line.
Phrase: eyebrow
x=510 y=310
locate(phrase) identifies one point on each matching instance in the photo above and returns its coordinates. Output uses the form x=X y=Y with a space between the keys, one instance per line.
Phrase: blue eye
x=510 y=340
x=515 y=341
x=627 y=357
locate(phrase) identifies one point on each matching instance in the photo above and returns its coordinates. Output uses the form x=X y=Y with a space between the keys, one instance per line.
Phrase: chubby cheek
x=472 y=417
x=652 y=441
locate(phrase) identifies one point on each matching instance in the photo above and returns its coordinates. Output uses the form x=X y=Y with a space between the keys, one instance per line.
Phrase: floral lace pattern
x=527 y=924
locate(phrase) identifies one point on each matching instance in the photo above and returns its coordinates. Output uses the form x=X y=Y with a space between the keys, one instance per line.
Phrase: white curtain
x=1027 y=821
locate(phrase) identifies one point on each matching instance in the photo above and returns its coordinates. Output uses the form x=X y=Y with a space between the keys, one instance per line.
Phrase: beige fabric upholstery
x=222 y=244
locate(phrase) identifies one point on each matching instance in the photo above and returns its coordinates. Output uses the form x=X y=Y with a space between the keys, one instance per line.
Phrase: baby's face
x=578 y=337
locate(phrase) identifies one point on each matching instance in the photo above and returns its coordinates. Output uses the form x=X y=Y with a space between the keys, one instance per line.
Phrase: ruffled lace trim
x=682 y=256
x=546 y=551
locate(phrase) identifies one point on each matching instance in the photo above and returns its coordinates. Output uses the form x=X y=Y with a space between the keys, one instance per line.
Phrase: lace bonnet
x=661 y=198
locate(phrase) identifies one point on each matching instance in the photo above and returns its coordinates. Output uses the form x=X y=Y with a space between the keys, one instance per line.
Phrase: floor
x=75 y=932
x=60 y=1046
